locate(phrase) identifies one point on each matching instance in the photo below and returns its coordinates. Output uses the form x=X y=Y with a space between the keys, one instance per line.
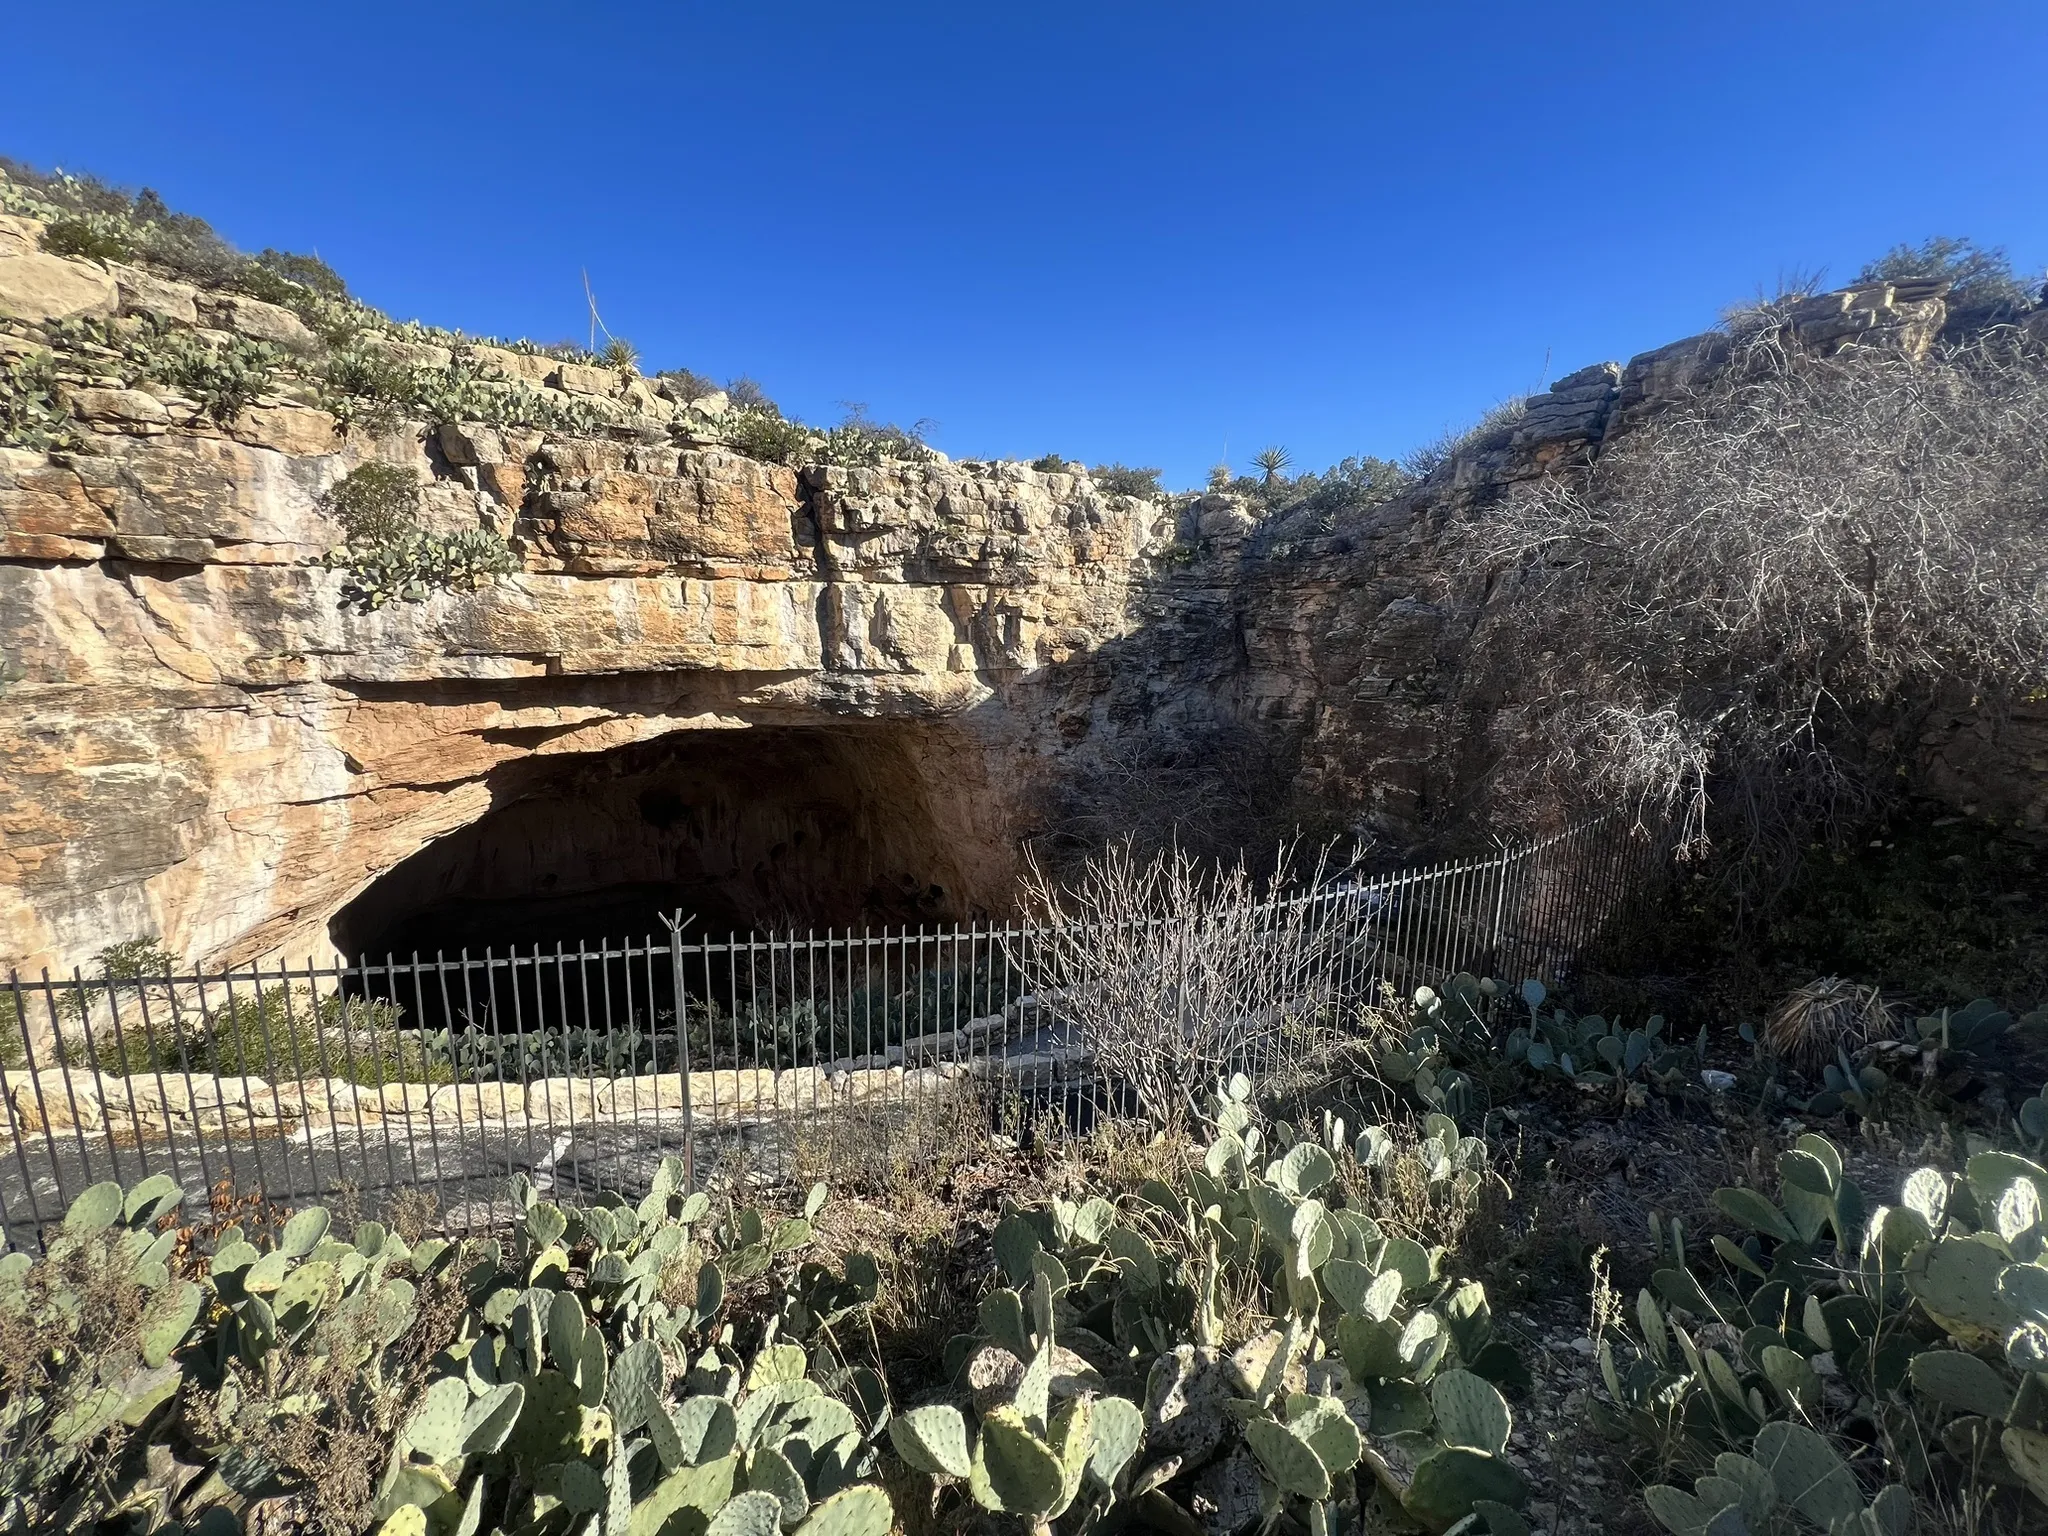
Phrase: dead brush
x=1824 y=1019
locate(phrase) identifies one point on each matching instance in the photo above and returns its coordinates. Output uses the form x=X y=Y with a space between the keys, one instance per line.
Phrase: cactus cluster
x=1928 y=1318
x=1104 y=1382
x=597 y=1380
x=1593 y=1052
x=1457 y=1056
x=625 y=1406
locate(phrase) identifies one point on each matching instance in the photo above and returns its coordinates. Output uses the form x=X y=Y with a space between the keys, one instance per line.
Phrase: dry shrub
x=1818 y=1021
x=1735 y=613
x=888 y=1144
x=1173 y=972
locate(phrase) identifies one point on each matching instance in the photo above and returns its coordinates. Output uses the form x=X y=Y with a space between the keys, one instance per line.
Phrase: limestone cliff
x=811 y=693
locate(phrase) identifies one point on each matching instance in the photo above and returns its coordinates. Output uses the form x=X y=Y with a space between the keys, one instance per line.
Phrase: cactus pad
x=859 y=1511
x=1014 y=1472
x=933 y=1440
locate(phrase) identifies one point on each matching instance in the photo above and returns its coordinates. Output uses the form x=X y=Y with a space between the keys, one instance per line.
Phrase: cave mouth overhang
x=759 y=827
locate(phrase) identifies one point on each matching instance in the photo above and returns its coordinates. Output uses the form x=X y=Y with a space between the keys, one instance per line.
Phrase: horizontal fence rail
x=432 y=1080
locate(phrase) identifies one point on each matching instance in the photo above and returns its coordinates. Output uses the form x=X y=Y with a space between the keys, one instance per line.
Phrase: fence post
x=1500 y=901
x=675 y=962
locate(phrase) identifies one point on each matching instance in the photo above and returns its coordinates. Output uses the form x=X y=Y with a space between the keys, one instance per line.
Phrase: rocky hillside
x=239 y=688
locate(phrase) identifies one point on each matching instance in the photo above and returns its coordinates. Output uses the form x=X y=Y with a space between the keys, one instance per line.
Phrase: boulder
x=255 y=319
x=577 y=379
x=144 y=293
x=38 y=287
x=120 y=410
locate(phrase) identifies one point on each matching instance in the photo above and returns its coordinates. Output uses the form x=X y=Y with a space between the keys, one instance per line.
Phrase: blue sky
x=1150 y=233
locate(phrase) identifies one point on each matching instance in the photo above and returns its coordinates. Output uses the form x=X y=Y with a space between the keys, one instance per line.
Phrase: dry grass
x=1824 y=1018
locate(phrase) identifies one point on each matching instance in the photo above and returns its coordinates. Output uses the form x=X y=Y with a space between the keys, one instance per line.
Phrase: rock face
x=202 y=740
x=811 y=694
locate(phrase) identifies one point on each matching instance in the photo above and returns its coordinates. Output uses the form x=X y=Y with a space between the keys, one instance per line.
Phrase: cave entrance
x=764 y=827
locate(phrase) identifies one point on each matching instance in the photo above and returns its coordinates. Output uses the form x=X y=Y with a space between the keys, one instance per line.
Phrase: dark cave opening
x=764 y=827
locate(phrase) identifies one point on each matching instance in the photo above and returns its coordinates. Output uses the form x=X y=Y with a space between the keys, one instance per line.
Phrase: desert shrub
x=1983 y=288
x=414 y=566
x=1421 y=463
x=30 y=413
x=762 y=433
x=374 y=502
x=88 y=237
x=1122 y=480
x=364 y=388
x=388 y=558
x=1171 y=970
x=223 y=378
x=106 y=222
x=1741 y=587
x=690 y=386
x=748 y=395
x=1821 y=1351
x=306 y=272
x=619 y=353
x=1052 y=464
x=1216 y=789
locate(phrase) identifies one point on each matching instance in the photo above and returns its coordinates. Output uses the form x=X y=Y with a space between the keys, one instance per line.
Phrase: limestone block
x=19 y=234
x=404 y=1098
x=38 y=287
x=409 y=354
x=471 y=444
x=296 y=430
x=479 y=1103
x=47 y=546
x=577 y=379
x=730 y=1091
x=629 y=1096
x=53 y=1099
x=155 y=549
x=120 y=409
x=255 y=319
x=144 y=293
x=563 y=1100
x=528 y=367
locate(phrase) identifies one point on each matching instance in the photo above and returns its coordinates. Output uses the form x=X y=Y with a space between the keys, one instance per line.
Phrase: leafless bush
x=1735 y=614
x=1173 y=970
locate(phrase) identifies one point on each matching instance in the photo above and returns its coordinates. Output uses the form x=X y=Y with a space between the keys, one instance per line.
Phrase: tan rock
x=53 y=1099
x=291 y=429
x=409 y=354
x=472 y=444
x=508 y=363
x=144 y=293
x=119 y=409
x=402 y=1098
x=39 y=287
x=47 y=546
x=627 y=1097
x=255 y=319
x=479 y=1103
x=563 y=1101
x=576 y=379
x=19 y=234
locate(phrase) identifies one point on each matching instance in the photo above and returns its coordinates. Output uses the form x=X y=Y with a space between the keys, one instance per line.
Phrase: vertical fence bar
x=28 y=1181
x=675 y=968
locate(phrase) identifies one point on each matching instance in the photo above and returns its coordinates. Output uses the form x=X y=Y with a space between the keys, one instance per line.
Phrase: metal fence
x=753 y=1056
